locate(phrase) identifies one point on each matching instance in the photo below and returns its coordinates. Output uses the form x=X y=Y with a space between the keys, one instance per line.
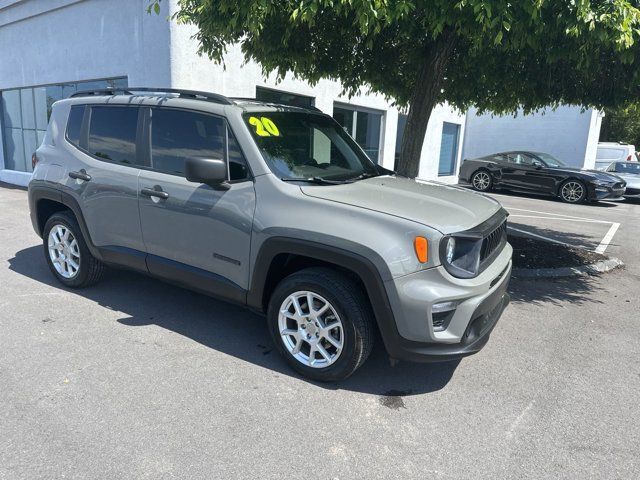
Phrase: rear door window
x=112 y=133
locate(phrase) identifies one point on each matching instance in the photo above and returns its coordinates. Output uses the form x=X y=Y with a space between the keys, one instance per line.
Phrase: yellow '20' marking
x=264 y=127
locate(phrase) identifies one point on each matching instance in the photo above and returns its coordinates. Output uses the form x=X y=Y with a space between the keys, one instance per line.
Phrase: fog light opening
x=441 y=315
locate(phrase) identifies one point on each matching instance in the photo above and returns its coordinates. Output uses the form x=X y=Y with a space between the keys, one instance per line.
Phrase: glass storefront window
x=448 y=149
x=40 y=100
x=12 y=115
x=26 y=112
x=363 y=125
x=14 y=149
x=27 y=107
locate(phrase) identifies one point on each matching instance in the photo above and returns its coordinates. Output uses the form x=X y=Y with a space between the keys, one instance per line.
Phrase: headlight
x=599 y=183
x=461 y=255
x=450 y=249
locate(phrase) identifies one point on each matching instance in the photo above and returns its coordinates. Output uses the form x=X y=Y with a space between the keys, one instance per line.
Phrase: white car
x=609 y=152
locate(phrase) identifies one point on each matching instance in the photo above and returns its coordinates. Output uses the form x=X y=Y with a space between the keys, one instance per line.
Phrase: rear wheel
x=67 y=254
x=573 y=191
x=322 y=324
x=481 y=181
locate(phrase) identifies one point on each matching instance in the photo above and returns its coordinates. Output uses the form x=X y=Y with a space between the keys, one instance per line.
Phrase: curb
x=593 y=269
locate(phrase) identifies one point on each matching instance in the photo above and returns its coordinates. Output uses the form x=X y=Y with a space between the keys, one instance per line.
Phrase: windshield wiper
x=364 y=175
x=317 y=180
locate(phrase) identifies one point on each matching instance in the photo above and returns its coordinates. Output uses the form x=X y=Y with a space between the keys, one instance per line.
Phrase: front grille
x=493 y=241
x=633 y=191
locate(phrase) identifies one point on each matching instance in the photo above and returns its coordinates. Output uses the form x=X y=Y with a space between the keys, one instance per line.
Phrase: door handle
x=81 y=175
x=151 y=192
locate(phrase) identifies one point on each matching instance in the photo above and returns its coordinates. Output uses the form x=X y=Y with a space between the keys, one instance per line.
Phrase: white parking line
x=548 y=239
x=560 y=218
x=607 y=238
x=556 y=214
x=601 y=248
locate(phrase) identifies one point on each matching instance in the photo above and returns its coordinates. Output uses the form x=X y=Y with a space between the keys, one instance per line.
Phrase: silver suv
x=275 y=208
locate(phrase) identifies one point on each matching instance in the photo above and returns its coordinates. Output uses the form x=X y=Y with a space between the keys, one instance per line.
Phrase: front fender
x=362 y=261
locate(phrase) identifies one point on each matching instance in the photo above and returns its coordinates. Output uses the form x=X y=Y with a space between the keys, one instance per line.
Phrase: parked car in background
x=609 y=152
x=275 y=208
x=630 y=173
x=539 y=173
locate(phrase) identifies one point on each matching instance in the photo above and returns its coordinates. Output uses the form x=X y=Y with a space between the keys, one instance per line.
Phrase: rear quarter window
x=74 y=124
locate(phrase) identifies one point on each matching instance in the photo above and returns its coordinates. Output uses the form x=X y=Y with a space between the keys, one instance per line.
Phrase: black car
x=539 y=173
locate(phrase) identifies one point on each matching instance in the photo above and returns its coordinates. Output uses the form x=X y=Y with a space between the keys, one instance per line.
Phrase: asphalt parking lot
x=133 y=378
x=599 y=227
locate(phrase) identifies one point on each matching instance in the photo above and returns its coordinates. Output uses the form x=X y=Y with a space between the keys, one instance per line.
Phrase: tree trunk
x=423 y=100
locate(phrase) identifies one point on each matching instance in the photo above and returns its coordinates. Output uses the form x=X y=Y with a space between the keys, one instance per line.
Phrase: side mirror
x=537 y=165
x=211 y=171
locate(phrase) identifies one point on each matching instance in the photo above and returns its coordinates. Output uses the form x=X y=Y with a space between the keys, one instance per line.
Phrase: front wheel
x=573 y=191
x=481 y=181
x=321 y=323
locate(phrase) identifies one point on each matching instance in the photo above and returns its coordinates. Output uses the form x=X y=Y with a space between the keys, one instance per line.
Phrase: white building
x=51 y=48
x=568 y=133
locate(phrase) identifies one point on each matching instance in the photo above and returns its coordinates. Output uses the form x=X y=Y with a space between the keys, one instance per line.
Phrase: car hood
x=632 y=180
x=446 y=208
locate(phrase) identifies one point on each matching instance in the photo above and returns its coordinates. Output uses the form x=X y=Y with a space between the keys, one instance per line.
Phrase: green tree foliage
x=622 y=125
x=499 y=55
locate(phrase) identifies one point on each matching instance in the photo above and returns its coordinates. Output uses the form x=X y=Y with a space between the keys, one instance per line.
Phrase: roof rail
x=194 y=94
x=253 y=99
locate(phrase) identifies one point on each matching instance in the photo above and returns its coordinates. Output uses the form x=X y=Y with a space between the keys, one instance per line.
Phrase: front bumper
x=601 y=192
x=480 y=303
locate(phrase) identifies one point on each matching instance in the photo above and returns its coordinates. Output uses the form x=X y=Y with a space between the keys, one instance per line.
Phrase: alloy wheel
x=572 y=192
x=64 y=251
x=311 y=329
x=481 y=181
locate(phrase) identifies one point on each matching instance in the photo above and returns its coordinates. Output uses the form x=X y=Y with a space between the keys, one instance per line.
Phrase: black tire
x=565 y=196
x=351 y=305
x=483 y=186
x=90 y=269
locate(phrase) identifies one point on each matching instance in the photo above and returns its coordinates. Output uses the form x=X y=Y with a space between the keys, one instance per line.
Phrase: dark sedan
x=540 y=173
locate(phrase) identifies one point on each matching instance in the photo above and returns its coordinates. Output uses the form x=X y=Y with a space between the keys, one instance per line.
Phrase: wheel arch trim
x=365 y=263
x=38 y=192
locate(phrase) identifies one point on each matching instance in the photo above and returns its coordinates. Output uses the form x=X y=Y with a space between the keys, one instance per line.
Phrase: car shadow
x=575 y=239
x=231 y=329
x=577 y=290
x=511 y=193
x=600 y=204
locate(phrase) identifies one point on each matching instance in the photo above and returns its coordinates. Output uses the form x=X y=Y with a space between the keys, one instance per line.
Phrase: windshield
x=627 y=167
x=301 y=145
x=549 y=160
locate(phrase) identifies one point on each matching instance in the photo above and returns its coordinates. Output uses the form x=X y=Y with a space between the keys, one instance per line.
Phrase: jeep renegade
x=275 y=208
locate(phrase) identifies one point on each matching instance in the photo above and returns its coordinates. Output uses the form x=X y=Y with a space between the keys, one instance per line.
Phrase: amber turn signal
x=422 y=249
